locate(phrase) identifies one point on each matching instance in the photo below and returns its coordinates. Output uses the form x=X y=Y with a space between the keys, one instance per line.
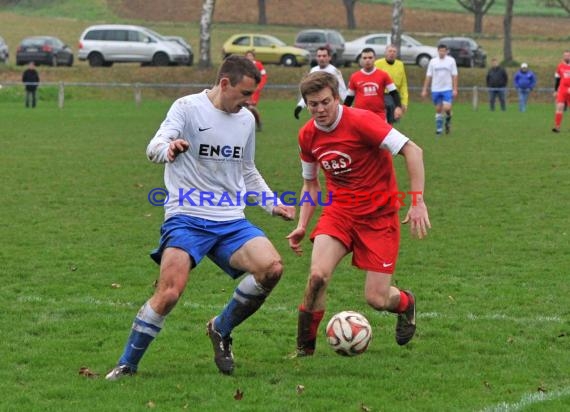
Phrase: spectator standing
x=395 y=68
x=497 y=80
x=524 y=81
x=31 y=80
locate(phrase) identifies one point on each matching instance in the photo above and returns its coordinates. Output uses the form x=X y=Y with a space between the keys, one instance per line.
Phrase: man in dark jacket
x=497 y=80
x=31 y=79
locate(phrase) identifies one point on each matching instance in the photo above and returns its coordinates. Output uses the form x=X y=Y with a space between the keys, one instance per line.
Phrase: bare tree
x=397 y=15
x=205 y=61
x=507 y=27
x=350 y=18
x=479 y=8
x=262 y=18
x=562 y=4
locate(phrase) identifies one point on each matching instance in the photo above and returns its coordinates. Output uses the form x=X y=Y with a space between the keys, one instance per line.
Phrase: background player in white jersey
x=324 y=64
x=442 y=75
x=207 y=142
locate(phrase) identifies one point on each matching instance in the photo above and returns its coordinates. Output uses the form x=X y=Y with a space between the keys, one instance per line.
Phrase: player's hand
x=297 y=111
x=295 y=238
x=418 y=218
x=176 y=147
x=398 y=113
x=424 y=93
x=285 y=212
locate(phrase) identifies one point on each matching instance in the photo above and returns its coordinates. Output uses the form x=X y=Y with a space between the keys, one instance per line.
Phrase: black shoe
x=223 y=356
x=118 y=372
x=556 y=130
x=406 y=324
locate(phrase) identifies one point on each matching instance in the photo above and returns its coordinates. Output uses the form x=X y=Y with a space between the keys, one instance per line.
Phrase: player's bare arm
x=417 y=214
x=176 y=147
x=306 y=212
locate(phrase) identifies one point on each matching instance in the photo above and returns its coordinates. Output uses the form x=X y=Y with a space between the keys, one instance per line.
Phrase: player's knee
x=273 y=273
x=317 y=279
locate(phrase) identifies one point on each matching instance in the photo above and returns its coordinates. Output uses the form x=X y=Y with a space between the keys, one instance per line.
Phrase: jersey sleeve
x=170 y=129
x=309 y=163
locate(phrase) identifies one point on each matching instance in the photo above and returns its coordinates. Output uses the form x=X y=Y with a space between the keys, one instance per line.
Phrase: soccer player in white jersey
x=207 y=142
x=324 y=64
x=442 y=75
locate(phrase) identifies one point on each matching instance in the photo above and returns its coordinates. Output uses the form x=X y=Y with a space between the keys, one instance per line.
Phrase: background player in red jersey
x=354 y=149
x=252 y=103
x=366 y=87
x=561 y=89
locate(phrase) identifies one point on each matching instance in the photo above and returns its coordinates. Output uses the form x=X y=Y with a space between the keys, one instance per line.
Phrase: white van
x=103 y=45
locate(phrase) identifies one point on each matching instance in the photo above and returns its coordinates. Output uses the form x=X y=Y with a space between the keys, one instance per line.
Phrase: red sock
x=557 y=119
x=316 y=318
x=405 y=302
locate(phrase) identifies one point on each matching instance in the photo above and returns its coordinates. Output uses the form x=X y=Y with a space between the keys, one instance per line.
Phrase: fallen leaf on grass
x=542 y=388
x=151 y=404
x=365 y=408
x=300 y=389
x=238 y=395
x=84 y=371
x=115 y=285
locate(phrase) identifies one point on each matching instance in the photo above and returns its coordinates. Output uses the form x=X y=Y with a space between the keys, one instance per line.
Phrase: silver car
x=103 y=45
x=411 y=50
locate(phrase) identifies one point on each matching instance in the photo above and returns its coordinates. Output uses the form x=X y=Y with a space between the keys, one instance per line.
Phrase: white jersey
x=211 y=179
x=335 y=72
x=442 y=72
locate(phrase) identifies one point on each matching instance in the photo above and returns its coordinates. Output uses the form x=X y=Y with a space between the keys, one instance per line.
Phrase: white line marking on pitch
x=527 y=400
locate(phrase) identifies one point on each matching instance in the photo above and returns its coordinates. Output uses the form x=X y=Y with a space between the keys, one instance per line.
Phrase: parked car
x=4 y=52
x=103 y=45
x=268 y=49
x=44 y=50
x=312 y=39
x=411 y=50
x=466 y=51
x=183 y=43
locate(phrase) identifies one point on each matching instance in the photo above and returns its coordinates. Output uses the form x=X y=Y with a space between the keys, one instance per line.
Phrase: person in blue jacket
x=524 y=80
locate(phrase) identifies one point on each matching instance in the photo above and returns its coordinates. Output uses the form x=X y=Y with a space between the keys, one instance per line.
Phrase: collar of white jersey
x=335 y=123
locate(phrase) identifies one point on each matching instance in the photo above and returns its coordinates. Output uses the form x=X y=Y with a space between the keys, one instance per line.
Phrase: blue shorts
x=442 y=97
x=201 y=237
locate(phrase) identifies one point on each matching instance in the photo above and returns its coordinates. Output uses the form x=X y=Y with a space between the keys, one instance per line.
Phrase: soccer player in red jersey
x=366 y=87
x=354 y=148
x=252 y=103
x=561 y=89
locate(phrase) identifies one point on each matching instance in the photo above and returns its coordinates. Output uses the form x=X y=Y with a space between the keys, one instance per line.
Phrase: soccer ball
x=349 y=333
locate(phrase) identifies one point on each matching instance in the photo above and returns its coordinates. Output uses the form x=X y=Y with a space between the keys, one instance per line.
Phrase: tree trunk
x=350 y=19
x=262 y=19
x=397 y=16
x=507 y=26
x=205 y=61
x=479 y=8
x=478 y=23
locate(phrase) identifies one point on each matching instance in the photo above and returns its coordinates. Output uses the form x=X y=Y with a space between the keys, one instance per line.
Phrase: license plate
x=32 y=49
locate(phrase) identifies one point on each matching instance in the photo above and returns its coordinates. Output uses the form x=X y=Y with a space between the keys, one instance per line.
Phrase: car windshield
x=155 y=34
x=274 y=40
x=33 y=42
x=411 y=40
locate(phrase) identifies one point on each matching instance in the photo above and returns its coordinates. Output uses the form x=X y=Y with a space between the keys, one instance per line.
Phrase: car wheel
x=70 y=61
x=160 y=59
x=423 y=60
x=289 y=60
x=95 y=60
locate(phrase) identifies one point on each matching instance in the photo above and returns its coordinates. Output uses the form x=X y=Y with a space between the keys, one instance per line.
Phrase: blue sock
x=145 y=327
x=247 y=298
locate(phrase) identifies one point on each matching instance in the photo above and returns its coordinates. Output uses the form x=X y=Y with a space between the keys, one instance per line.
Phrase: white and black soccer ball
x=349 y=333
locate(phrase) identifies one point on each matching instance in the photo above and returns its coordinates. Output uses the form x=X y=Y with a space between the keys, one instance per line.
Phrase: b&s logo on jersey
x=335 y=162
x=220 y=153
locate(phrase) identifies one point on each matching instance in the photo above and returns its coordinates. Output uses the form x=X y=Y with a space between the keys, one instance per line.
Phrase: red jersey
x=563 y=73
x=368 y=90
x=355 y=155
x=255 y=96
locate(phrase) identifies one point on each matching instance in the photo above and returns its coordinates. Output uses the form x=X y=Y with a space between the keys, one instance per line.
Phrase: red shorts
x=374 y=243
x=563 y=95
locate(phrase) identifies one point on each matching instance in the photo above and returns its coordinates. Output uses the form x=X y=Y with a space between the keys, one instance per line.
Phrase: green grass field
x=490 y=280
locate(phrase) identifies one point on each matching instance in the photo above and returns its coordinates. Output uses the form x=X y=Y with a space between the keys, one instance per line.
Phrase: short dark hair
x=442 y=46
x=316 y=81
x=236 y=67
x=368 y=50
x=325 y=48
